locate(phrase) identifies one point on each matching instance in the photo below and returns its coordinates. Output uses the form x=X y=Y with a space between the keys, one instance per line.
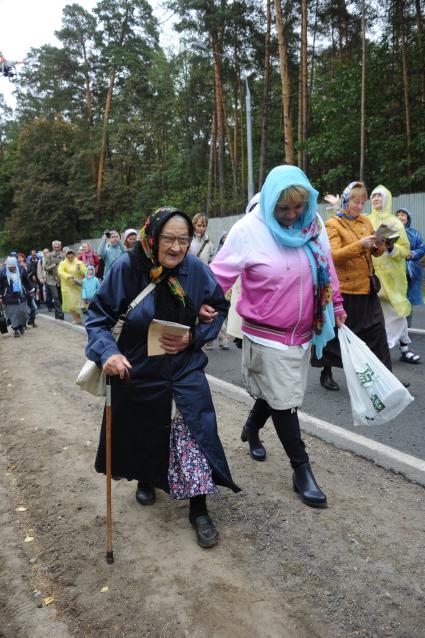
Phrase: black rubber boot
x=305 y=485
x=250 y=431
x=327 y=381
x=288 y=430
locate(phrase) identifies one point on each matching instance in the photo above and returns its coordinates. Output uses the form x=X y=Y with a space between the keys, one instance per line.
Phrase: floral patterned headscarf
x=149 y=239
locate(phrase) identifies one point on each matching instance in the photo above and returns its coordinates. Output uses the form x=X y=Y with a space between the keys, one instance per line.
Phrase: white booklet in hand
x=386 y=231
x=157 y=329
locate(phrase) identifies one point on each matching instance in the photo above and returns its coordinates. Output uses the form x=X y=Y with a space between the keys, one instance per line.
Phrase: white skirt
x=277 y=376
x=395 y=326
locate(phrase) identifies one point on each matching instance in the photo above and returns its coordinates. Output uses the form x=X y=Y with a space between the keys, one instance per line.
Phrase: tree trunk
x=313 y=54
x=101 y=168
x=266 y=97
x=302 y=89
x=286 y=85
x=213 y=142
x=101 y=165
x=362 y=97
x=405 y=67
x=220 y=122
x=421 y=49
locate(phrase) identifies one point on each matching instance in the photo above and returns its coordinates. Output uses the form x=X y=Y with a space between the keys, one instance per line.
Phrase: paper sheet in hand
x=386 y=231
x=157 y=329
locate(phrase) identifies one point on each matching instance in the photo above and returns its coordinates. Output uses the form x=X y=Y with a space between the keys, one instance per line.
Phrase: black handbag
x=375 y=284
x=3 y=322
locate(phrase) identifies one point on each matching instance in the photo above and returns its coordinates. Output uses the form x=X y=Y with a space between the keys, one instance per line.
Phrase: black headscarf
x=171 y=301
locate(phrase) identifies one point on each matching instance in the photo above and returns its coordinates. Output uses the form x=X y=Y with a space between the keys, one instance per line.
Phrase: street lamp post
x=249 y=141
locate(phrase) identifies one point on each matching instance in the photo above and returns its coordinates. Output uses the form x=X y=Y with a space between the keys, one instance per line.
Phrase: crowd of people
x=290 y=279
x=62 y=279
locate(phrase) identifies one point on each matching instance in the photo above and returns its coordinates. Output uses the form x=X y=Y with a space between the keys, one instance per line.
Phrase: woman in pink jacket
x=289 y=300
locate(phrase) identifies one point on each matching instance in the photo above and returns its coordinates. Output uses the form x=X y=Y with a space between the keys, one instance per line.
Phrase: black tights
x=287 y=427
x=197 y=507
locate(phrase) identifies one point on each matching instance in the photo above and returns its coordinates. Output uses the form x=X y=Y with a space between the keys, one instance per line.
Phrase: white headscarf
x=13 y=278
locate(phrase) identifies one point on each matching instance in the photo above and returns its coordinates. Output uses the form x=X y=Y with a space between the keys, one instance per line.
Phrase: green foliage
x=159 y=129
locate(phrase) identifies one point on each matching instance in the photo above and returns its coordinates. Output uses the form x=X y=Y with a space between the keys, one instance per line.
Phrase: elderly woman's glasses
x=169 y=240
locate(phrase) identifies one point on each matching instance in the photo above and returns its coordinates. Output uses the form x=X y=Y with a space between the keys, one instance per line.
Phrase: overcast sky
x=31 y=23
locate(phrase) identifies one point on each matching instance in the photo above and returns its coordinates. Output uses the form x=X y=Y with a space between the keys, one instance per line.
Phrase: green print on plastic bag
x=377 y=403
x=366 y=377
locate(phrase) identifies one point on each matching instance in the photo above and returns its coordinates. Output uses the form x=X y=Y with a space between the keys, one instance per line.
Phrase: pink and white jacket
x=276 y=300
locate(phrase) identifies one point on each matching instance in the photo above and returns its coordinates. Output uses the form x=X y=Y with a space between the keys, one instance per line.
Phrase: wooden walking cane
x=108 y=423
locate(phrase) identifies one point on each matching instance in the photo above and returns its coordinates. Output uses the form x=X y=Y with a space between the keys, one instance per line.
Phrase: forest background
x=110 y=125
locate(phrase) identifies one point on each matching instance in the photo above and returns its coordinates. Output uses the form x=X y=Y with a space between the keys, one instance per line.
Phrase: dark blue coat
x=6 y=290
x=415 y=271
x=141 y=407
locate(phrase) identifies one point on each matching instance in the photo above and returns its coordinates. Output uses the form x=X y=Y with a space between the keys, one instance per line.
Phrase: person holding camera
x=110 y=248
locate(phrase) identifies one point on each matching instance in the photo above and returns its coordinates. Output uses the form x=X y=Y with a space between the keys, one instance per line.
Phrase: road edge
x=385 y=456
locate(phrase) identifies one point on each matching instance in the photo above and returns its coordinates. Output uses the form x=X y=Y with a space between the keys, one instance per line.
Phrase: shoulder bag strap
x=205 y=242
x=117 y=328
x=140 y=297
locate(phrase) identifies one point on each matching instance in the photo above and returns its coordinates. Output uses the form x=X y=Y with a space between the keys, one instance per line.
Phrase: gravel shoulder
x=280 y=570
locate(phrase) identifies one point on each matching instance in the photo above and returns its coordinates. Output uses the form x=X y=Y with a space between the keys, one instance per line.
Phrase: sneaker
x=208 y=346
x=224 y=345
x=16 y=333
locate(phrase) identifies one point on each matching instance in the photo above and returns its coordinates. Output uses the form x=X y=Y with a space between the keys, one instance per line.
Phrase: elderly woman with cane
x=164 y=431
x=289 y=300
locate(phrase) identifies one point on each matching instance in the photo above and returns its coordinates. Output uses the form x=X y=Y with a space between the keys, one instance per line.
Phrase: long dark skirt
x=366 y=320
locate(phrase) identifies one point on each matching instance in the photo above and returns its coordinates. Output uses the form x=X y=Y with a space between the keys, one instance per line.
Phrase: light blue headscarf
x=304 y=233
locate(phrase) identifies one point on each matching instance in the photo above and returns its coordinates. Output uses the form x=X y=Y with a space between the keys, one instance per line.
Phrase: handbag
x=376 y=395
x=91 y=378
x=375 y=283
x=3 y=321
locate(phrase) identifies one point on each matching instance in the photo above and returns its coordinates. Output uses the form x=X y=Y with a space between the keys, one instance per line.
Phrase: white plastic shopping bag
x=376 y=395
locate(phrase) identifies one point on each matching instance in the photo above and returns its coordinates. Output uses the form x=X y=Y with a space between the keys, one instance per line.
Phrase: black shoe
x=22 y=330
x=257 y=451
x=326 y=380
x=305 y=484
x=145 y=493
x=61 y=317
x=33 y=324
x=16 y=333
x=206 y=531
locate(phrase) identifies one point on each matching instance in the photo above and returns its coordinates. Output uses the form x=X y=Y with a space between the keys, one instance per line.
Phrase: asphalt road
x=406 y=433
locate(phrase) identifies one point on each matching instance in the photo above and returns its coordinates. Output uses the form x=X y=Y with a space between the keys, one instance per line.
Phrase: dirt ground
x=281 y=569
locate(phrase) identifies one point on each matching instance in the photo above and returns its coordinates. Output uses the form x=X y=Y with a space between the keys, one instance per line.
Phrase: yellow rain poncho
x=391 y=267
x=71 y=291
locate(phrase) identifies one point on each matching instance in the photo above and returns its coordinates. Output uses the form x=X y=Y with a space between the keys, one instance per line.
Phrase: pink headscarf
x=87 y=258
